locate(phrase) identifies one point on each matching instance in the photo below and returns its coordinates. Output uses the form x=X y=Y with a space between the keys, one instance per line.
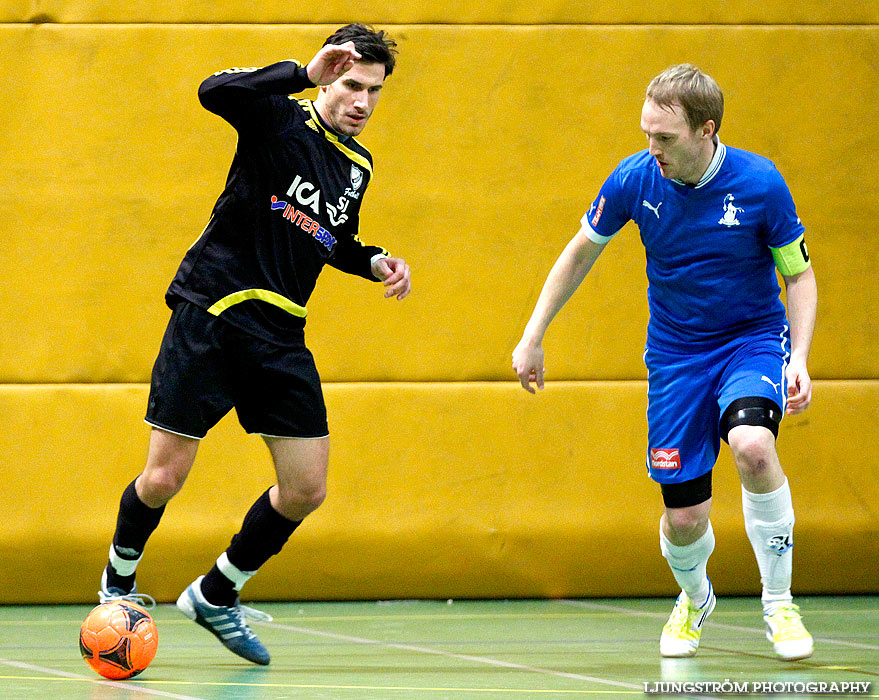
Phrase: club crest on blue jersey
x=298 y=218
x=730 y=212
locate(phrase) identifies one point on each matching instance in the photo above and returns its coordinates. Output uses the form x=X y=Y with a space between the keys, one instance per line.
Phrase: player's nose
x=360 y=99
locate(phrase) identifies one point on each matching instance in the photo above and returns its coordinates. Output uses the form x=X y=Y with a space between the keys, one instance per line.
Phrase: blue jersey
x=709 y=265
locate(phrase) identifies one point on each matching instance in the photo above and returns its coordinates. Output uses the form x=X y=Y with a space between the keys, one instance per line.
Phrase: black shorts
x=206 y=366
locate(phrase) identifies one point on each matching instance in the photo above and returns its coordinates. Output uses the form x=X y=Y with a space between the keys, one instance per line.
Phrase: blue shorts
x=688 y=395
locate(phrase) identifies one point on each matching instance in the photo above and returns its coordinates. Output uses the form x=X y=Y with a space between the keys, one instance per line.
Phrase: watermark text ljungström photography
x=728 y=687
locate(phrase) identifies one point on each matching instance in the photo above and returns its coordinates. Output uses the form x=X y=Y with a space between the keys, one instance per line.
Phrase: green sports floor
x=429 y=650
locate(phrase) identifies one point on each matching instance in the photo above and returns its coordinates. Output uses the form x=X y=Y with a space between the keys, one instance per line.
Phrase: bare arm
x=566 y=275
x=802 y=305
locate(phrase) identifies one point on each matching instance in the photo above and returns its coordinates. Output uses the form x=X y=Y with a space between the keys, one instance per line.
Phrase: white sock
x=232 y=572
x=769 y=522
x=689 y=563
x=122 y=566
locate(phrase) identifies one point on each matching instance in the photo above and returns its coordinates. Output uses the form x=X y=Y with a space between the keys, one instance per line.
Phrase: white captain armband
x=793 y=258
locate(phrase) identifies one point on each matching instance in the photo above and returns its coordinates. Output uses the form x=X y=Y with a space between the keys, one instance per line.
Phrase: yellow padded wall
x=461 y=490
x=487 y=153
x=448 y=12
x=109 y=169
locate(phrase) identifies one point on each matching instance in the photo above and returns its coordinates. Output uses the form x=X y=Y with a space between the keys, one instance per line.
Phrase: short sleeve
x=783 y=226
x=608 y=213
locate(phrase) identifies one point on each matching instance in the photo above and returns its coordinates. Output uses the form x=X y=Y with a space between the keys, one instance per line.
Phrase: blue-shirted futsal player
x=723 y=359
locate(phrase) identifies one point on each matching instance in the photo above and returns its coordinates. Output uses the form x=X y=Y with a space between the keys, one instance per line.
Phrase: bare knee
x=158 y=485
x=301 y=465
x=168 y=463
x=295 y=501
x=753 y=449
x=685 y=525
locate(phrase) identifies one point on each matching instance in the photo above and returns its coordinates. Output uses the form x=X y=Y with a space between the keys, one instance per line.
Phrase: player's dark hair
x=373 y=46
x=696 y=92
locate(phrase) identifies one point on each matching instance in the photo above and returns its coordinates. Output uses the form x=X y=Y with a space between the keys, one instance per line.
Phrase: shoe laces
x=681 y=614
x=142 y=599
x=785 y=611
x=254 y=614
x=242 y=613
x=788 y=622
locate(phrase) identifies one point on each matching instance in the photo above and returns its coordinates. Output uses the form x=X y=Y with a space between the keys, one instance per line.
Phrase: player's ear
x=708 y=129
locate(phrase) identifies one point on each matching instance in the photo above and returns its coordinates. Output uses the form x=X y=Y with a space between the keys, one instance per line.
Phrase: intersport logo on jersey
x=298 y=218
x=665 y=459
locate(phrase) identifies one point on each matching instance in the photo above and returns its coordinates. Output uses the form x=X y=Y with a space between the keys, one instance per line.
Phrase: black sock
x=134 y=525
x=263 y=534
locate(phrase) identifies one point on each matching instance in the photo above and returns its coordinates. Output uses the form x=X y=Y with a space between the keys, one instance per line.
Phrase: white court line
x=127 y=685
x=721 y=625
x=451 y=655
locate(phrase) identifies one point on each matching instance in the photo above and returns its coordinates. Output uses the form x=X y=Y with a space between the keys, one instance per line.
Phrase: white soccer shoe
x=683 y=631
x=784 y=628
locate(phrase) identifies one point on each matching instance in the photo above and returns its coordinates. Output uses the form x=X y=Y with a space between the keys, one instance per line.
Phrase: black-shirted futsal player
x=236 y=335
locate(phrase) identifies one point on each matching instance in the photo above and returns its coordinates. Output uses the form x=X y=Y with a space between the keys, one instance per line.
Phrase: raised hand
x=331 y=63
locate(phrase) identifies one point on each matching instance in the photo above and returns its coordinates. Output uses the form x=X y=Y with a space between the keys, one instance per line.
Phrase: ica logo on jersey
x=306 y=194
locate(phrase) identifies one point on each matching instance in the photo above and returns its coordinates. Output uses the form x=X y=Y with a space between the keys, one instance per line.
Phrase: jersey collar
x=326 y=127
x=333 y=138
x=713 y=166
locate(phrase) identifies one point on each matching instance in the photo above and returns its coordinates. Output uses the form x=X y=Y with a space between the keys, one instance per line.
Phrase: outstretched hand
x=799 y=386
x=528 y=365
x=394 y=274
x=331 y=63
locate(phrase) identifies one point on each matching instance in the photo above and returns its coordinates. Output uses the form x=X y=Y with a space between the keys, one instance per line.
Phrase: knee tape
x=752 y=410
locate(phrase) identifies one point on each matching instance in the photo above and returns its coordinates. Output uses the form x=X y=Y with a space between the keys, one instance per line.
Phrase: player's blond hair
x=696 y=92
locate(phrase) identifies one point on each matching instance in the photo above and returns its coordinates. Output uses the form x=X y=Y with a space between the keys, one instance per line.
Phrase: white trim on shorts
x=168 y=430
x=783 y=335
x=293 y=437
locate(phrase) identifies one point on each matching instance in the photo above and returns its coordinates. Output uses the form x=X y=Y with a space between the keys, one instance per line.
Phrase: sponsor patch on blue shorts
x=688 y=394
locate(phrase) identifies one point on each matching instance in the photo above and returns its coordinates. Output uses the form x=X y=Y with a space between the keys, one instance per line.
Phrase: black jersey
x=290 y=205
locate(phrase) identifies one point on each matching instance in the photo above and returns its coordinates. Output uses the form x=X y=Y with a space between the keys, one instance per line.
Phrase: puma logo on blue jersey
x=774 y=385
x=655 y=209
